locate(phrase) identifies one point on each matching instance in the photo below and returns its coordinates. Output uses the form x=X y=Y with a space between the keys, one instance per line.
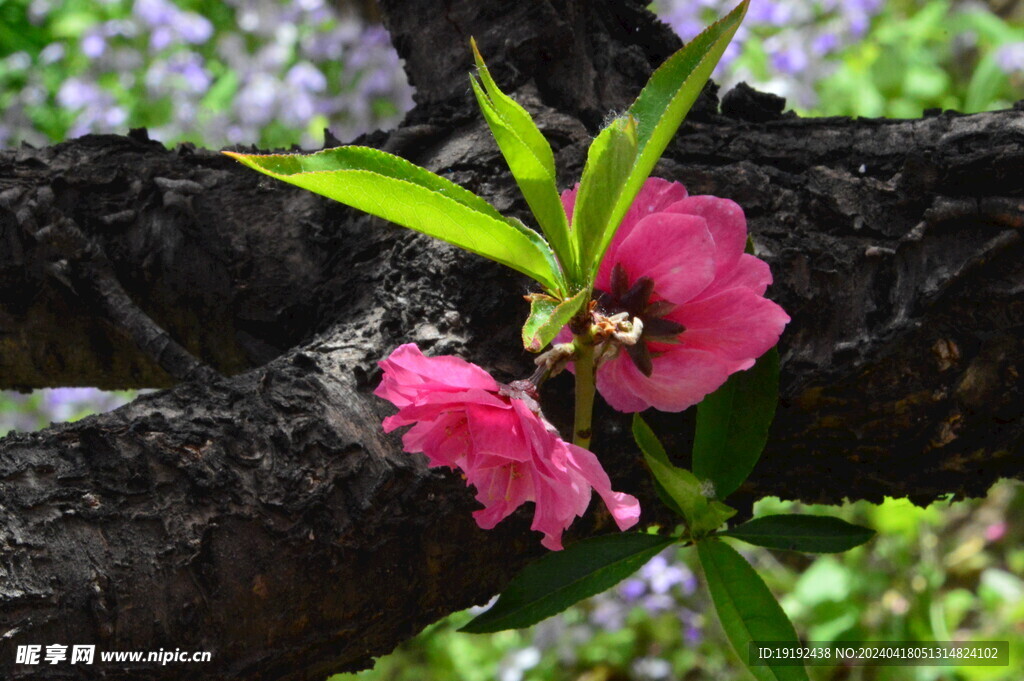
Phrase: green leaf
x=515 y=116
x=651 y=447
x=732 y=425
x=746 y=608
x=665 y=100
x=530 y=159
x=684 y=489
x=609 y=159
x=986 y=83
x=547 y=317
x=561 y=578
x=395 y=189
x=798 y=532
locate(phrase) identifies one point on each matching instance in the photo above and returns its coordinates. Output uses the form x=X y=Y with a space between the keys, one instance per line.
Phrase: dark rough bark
x=264 y=516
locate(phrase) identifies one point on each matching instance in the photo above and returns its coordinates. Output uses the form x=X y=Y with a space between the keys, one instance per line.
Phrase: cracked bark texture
x=264 y=516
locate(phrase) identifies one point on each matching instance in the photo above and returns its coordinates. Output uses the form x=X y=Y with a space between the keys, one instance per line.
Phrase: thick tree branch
x=257 y=515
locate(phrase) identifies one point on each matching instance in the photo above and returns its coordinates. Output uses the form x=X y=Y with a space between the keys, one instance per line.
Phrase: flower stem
x=584 y=360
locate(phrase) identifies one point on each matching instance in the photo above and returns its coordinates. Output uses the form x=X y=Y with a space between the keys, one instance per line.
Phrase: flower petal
x=656 y=195
x=748 y=272
x=445 y=440
x=726 y=222
x=497 y=432
x=680 y=379
x=501 y=491
x=675 y=251
x=407 y=371
x=737 y=325
x=625 y=508
x=429 y=405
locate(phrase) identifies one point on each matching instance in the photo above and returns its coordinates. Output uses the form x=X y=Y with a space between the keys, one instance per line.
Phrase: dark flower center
x=635 y=300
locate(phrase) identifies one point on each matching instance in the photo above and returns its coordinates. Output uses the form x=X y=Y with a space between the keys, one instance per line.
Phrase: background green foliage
x=953 y=571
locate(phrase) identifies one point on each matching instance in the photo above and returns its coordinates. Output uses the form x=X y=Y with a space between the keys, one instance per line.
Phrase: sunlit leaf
x=530 y=159
x=547 y=317
x=395 y=189
x=609 y=160
x=666 y=99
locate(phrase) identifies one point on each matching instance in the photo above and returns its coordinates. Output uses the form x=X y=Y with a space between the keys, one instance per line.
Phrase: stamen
x=641 y=357
x=620 y=281
x=663 y=330
x=635 y=299
x=659 y=309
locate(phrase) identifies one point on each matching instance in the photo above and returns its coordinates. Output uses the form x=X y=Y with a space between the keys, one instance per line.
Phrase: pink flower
x=677 y=263
x=496 y=436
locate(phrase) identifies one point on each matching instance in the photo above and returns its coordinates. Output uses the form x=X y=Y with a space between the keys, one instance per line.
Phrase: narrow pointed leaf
x=665 y=100
x=733 y=423
x=651 y=446
x=684 y=488
x=535 y=177
x=547 y=317
x=395 y=189
x=746 y=608
x=609 y=159
x=517 y=118
x=561 y=578
x=798 y=532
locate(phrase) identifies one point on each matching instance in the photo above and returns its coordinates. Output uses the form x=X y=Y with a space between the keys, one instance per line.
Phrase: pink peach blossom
x=677 y=263
x=464 y=419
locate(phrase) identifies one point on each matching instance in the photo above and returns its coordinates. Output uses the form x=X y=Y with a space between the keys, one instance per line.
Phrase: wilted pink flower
x=495 y=435
x=677 y=264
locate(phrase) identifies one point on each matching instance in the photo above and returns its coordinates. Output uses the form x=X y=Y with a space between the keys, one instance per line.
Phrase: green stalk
x=584 y=360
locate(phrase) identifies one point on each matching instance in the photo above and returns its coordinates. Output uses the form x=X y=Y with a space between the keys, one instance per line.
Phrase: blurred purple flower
x=53 y=52
x=120 y=27
x=160 y=38
x=93 y=45
x=632 y=589
x=655 y=603
x=39 y=11
x=193 y=28
x=684 y=22
x=1010 y=57
x=33 y=95
x=155 y=12
x=790 y=60
x=825 y=43
x=75 y=94
x=256 y=101
x=661 y=575
x=189 y=66
x=307 y=77
x=377 y=81
x=772 y=13
x=19 y=61
x=114 y=117
x=608 y=613
x=857 y=22
x=297 y=109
